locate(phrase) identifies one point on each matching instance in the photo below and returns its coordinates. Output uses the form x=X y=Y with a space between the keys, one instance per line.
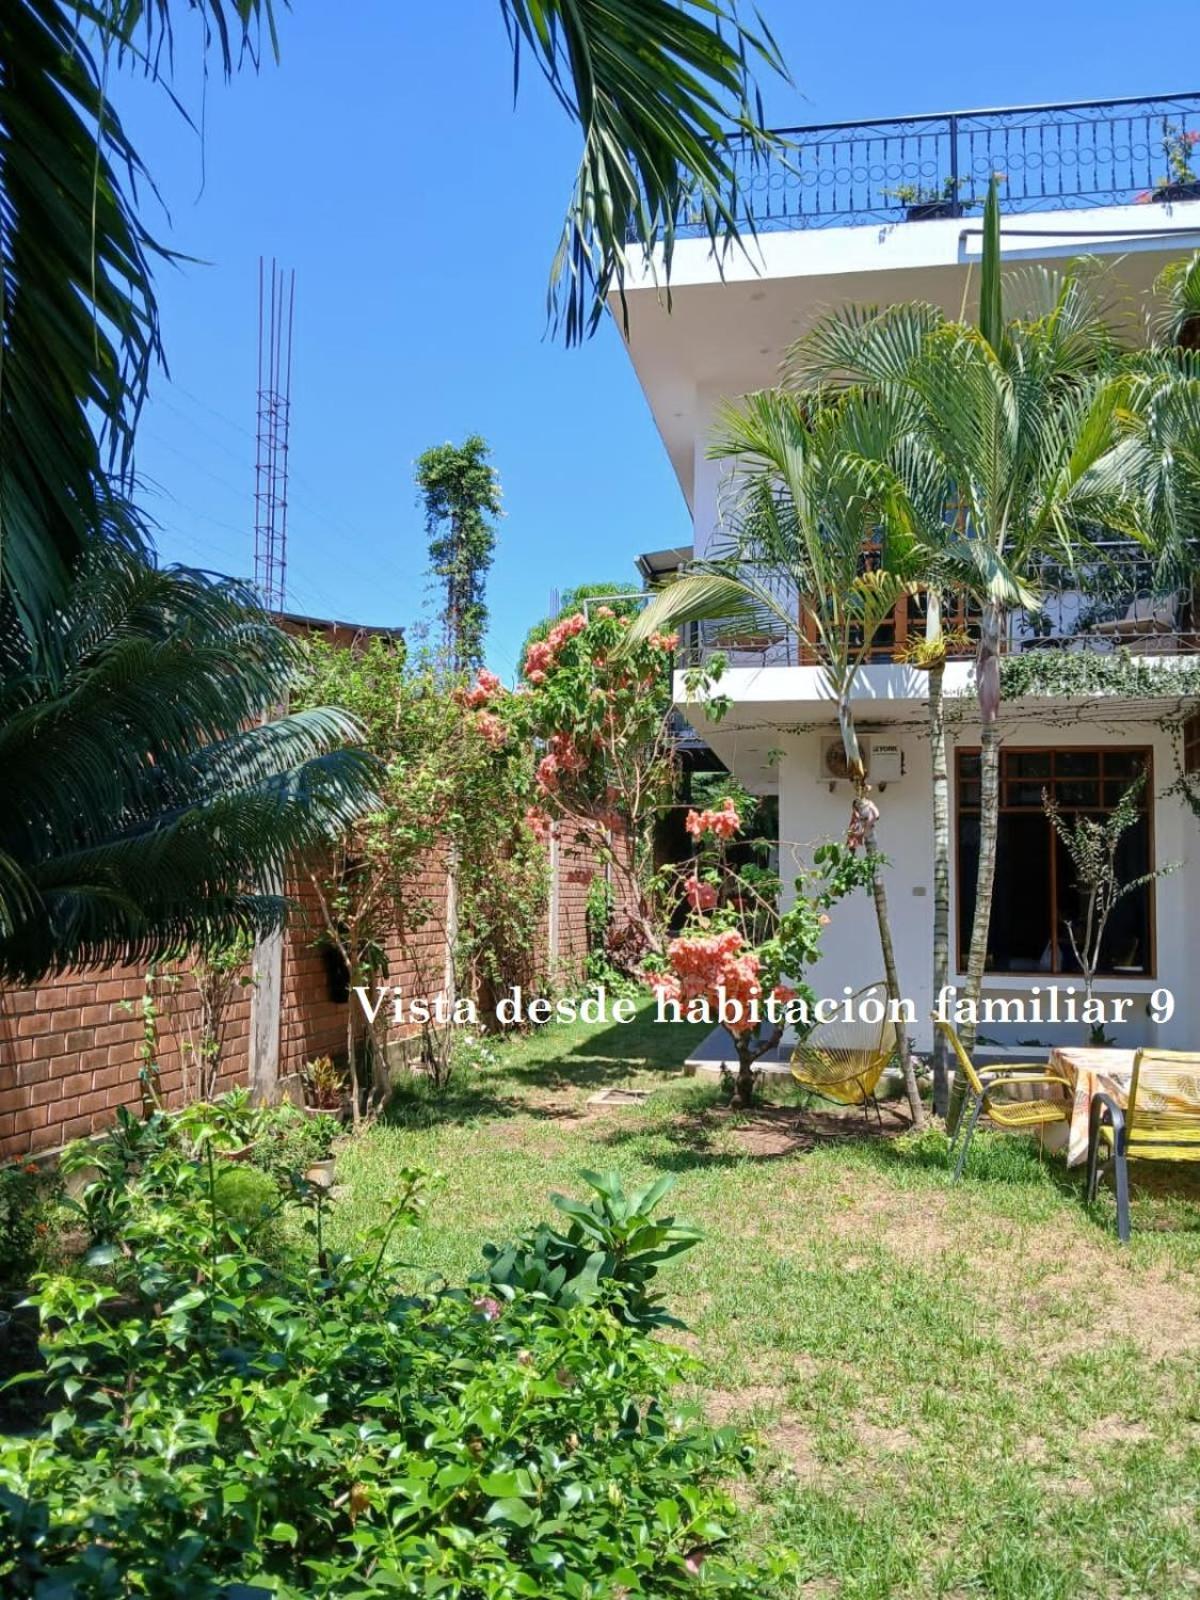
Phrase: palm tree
x=171 y=838
x=146 y=807
x=812 y=491
x=1022 y=416
x=653 y=85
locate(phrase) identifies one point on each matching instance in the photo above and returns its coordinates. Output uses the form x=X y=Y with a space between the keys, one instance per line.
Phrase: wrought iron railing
x=1115 y=598
x=1049 y=158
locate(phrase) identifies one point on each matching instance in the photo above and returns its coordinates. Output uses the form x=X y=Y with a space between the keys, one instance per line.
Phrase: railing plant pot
x=928 y=210
x=1179 y=191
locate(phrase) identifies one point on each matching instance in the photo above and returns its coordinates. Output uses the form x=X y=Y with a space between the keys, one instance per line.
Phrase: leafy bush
x=609 y=1253
x=26 y=1196
x=224 y=1424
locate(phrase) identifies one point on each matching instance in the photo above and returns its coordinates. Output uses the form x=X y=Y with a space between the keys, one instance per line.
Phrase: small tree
x=461 y=494
x=737 y=950
x=1093 y=844
x=597 y=712
x=454 y=788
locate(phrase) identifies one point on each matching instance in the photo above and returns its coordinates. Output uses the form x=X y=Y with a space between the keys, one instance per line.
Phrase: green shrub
x=220 y=1420
x=246 y=1197
x=25 y=1198
x=610 y=1252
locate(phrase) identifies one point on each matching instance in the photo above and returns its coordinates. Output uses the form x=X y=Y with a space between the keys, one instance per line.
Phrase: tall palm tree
x=146 y=807
x=1022 y=415
x=812 y=490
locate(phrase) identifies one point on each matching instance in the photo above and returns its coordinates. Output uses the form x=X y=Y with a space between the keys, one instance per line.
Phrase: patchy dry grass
x=958 y=1392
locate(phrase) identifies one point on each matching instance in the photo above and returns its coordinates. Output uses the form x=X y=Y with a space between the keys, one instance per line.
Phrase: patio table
x=1092 y=1070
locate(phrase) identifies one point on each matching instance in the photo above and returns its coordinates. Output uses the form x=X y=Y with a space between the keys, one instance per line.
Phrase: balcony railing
x=1051 y=158
x=1115 y=599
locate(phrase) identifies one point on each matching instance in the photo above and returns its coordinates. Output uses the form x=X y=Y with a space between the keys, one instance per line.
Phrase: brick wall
x=69 y=1047
x=69 y=1054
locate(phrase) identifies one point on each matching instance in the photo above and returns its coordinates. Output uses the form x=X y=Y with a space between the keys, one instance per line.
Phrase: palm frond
x=656 y=87
x=150 y=801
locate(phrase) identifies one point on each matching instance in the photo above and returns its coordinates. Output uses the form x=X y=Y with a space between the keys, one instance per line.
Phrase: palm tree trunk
x=988 y=686
x=941 y=871
x=912 y=1093
x=989 y=821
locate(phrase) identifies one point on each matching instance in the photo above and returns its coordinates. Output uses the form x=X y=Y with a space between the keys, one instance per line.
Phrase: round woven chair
x=842 y=1061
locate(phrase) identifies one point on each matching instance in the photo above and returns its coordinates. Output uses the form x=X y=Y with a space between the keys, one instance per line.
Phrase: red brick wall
x=69 y=1054
x=69 y=1048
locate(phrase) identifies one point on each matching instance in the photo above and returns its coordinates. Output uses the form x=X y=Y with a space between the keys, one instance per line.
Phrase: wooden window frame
x=1147 y=751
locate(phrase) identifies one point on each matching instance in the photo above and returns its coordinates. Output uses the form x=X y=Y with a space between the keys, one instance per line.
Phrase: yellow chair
x=981 y=1087
x=1160 y=1123
x=842 y=1060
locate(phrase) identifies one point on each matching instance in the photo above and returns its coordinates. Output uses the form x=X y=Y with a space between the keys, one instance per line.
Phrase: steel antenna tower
x=276 y=307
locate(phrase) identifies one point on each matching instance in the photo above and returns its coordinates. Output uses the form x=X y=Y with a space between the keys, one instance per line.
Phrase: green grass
x=967 y=1391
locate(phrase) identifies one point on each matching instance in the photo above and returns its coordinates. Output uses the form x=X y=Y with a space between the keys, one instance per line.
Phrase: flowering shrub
x=456 y=786
x=738 y=959
x=596 y=707
x=225 y=1424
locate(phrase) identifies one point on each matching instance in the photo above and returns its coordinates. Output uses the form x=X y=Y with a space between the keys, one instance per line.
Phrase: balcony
x=1051 y=158
x=1114 y=600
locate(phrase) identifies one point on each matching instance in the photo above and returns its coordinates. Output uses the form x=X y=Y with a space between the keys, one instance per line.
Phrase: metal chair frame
x=1133 y=1132
x=982 y=1084
x=875 y=1059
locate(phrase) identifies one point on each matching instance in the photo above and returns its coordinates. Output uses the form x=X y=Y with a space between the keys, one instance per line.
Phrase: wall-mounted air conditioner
x=882 y=758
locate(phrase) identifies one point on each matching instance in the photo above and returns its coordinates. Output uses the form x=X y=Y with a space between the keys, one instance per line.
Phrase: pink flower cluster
x=664 y=641
x=699 y=967
x=565 y=757
x=540 y=657
x=482 y=690
x=700 y=896
x=492 y=729
x=722 y=823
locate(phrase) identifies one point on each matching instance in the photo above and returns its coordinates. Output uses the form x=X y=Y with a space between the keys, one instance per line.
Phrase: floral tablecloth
x=1092 y=1071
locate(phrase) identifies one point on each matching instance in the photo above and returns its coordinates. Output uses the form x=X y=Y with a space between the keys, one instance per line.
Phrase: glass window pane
x=1123 y=763
x=969 y=794
x=1024 y=794
x=1077 y=763
x=968 y=763
x=1019 y=936
x=1028 y=764
x=1078 y=794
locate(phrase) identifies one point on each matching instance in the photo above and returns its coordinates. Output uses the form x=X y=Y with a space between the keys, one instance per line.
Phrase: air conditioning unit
x=882 y=759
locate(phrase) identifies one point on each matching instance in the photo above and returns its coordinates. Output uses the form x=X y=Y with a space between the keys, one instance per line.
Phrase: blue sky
x=382 y=158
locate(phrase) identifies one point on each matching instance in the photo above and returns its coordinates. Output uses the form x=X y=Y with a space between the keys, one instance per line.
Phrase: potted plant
x=324 y=1086
x=1181 y=180
x=922 y=202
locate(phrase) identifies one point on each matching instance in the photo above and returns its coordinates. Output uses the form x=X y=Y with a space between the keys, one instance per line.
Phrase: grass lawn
x=957 y=1392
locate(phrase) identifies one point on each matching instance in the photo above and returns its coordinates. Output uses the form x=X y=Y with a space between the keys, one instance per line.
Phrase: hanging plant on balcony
x=1181 y=180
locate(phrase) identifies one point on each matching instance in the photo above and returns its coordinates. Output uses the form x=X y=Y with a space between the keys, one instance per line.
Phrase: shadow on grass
x=413 y=1103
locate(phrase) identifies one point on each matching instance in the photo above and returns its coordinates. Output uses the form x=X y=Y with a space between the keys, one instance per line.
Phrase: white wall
x=809 y=814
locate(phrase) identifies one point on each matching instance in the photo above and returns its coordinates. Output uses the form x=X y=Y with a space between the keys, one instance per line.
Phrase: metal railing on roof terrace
x=1050 y=158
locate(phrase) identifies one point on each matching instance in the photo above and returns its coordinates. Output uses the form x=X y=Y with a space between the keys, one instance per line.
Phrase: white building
x=828 y=234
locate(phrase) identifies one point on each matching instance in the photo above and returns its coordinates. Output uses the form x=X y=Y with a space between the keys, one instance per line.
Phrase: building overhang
x=726 y=323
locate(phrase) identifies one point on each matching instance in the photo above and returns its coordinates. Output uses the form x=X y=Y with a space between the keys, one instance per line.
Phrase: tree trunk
x=911 y=1091
x=743 y=1084
x=989 y=820
x=941 y=872
x=352 y=1067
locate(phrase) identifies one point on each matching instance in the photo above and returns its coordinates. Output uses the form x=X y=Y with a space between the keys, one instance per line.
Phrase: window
x=1191 y=743
x=1034 y=892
